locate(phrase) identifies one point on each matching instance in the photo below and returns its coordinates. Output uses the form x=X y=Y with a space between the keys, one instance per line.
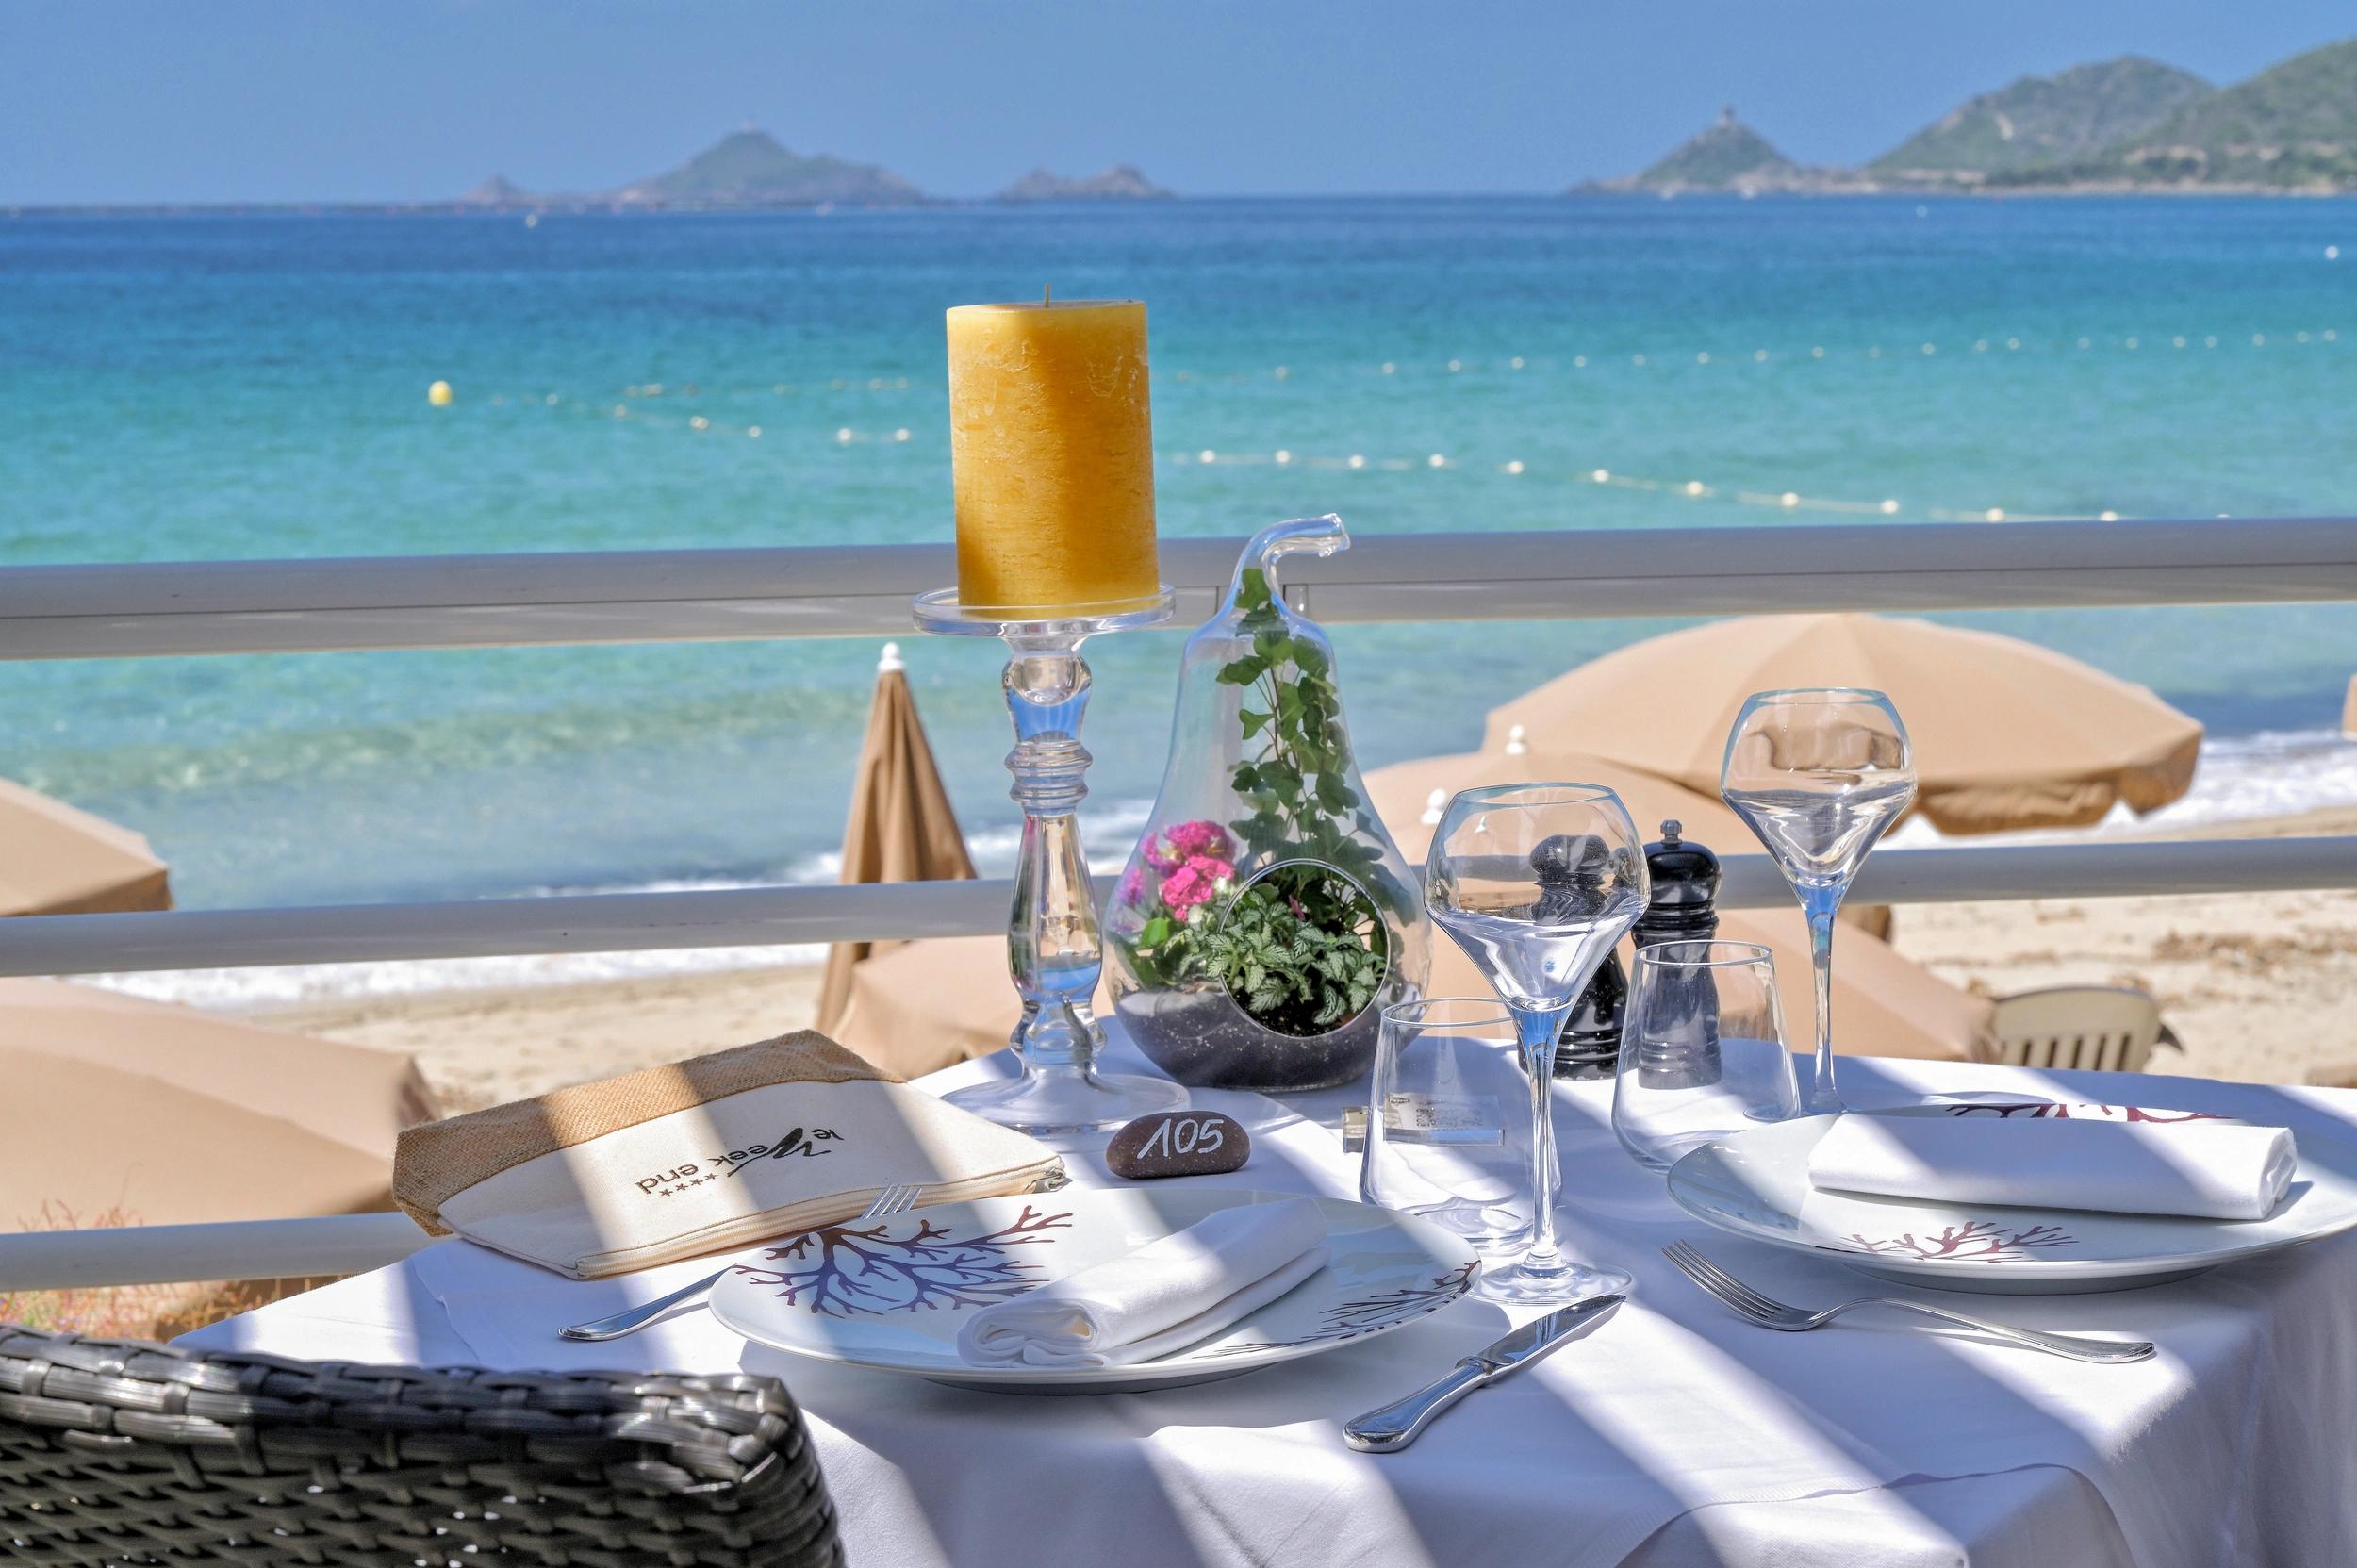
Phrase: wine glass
x=1537 y=882
x=1819 y=773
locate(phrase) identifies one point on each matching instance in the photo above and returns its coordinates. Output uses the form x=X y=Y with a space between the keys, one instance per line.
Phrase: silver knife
x=1397 y=1426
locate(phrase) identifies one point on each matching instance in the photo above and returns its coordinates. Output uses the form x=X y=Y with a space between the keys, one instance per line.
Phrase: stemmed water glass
x=1819 y=773
x=1537 y=882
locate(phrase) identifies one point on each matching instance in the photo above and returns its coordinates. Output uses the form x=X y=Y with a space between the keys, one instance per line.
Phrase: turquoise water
x=254 y=386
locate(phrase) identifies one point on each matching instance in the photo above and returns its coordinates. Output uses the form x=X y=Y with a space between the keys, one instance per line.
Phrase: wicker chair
x=122 y=1452
x=2107 y=1028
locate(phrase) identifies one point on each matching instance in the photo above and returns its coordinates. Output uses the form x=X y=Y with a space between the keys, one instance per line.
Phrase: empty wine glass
x=1701 y=1048
x=1819 y=773
x=1537 y=882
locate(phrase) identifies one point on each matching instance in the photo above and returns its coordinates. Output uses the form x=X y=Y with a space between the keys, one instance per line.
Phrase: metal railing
x=85 y=612
x=280 y=606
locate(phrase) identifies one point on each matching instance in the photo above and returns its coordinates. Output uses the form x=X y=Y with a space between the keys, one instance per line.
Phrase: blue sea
x=227 y=386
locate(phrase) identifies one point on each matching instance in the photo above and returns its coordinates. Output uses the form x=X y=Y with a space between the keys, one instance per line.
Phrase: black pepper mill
x=1681 y=1045
x=1571 y=870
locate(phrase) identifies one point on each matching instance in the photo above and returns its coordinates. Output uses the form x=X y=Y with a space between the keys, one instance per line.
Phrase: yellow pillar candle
x=1052 y=444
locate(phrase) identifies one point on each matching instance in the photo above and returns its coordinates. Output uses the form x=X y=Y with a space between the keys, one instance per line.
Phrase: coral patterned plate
x=892 y=1293
x=1755 y=1183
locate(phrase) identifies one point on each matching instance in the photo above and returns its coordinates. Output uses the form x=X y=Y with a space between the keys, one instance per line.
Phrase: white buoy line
x=1287 y=457
x=1692 y=489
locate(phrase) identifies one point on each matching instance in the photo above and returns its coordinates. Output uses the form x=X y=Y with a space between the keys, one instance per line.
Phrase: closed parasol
x=901 y=826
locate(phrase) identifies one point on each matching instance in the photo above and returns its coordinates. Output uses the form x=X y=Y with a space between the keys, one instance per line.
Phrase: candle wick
x=1046 y=295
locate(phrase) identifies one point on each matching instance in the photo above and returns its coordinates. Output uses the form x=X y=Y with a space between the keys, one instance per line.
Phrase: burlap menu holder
x=719 y=1151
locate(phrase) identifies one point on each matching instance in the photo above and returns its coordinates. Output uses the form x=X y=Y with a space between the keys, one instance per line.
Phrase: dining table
x=1671 y=1431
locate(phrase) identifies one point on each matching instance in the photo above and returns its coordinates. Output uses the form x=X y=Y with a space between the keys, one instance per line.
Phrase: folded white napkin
x=1168 y=1294
x=2209 y=1169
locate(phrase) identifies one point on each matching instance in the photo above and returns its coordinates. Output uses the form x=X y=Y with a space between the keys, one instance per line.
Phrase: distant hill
x=1123 y=182
x=2126 y=123
x=2039 y=121
x=2292 y=128
x=499 y=191
x=1730 y=156
x=749 y=168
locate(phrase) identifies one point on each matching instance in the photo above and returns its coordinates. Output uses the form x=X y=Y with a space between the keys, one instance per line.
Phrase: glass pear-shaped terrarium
x=1266 y=918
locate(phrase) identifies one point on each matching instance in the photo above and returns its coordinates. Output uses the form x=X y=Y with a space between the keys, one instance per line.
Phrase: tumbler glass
x=1448 y=1137
x=1702 y=1050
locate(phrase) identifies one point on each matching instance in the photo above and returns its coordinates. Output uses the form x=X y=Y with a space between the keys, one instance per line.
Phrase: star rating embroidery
x=698 y=1182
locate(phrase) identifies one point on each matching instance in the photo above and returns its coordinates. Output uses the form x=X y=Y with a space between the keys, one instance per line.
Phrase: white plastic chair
x=2104 y=1027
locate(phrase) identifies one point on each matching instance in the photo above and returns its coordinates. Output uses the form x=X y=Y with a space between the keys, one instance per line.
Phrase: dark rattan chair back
x=119 y=1452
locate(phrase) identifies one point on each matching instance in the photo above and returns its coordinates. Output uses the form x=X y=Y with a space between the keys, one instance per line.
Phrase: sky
x=295 y=100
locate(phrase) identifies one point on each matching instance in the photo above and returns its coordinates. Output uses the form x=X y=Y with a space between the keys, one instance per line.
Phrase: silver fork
x=1771 y=1313
x=889 y=1202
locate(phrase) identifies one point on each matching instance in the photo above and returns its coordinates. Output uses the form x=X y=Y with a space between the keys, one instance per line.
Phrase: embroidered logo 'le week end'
x=796 y=1144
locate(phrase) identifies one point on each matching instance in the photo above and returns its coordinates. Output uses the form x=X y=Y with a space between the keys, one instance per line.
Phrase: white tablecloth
x=1673 y=1433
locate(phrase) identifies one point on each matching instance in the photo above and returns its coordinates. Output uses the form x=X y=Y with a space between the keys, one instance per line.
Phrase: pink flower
x=1186 y=888
x=1157 y=856
x=1212 y=868
x=1134 y=885
x=1200 y=837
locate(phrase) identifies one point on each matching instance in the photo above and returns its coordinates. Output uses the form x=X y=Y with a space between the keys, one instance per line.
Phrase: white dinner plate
x=1755 y=1183
x=892 y=1293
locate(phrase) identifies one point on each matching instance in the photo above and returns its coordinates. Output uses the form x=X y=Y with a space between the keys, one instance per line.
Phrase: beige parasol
x=929 y=1004
x=1884 y=1003
x=939 y=1001
x=901 y=827
x=162 y=1115
x=1409 y=797
x=55 y=859
x=2007 y=734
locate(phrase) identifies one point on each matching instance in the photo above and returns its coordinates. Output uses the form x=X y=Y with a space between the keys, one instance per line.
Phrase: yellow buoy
x=438 y=394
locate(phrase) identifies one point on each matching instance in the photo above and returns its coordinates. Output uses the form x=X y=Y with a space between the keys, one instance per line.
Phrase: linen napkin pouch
x=2203 y=1169
x=704 y=1155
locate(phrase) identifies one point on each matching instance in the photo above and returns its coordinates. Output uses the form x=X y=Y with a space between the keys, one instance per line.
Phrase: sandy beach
x=2257 y=985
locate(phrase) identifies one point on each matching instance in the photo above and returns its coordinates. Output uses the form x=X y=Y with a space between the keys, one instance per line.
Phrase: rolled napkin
x=1165 y=1296
x=782 y=1135
x=2204 y=1169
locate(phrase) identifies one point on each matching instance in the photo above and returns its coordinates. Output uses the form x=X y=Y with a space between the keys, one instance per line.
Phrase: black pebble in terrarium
x=1572 y=869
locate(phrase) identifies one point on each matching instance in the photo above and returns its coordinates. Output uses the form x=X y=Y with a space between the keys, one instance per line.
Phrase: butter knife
x=1397 y=1426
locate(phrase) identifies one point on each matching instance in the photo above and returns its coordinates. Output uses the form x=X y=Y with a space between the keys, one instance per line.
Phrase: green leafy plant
x=1302 y=948
x=1294 y=972
x=1296 y=787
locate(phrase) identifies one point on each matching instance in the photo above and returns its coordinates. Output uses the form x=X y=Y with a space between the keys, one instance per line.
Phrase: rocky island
x=2128 y=124
x=747 y=168
x=1123 y=182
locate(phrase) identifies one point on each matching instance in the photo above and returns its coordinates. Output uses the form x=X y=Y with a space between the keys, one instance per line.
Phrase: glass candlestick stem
x=1055 y=948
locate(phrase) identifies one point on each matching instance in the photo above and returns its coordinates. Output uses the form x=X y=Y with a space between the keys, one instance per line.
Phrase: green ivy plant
x=1301 y=951
x=1296 y=787
x=1302 y=948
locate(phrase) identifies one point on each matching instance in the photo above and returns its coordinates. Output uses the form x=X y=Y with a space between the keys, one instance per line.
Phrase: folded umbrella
x=901 y=826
